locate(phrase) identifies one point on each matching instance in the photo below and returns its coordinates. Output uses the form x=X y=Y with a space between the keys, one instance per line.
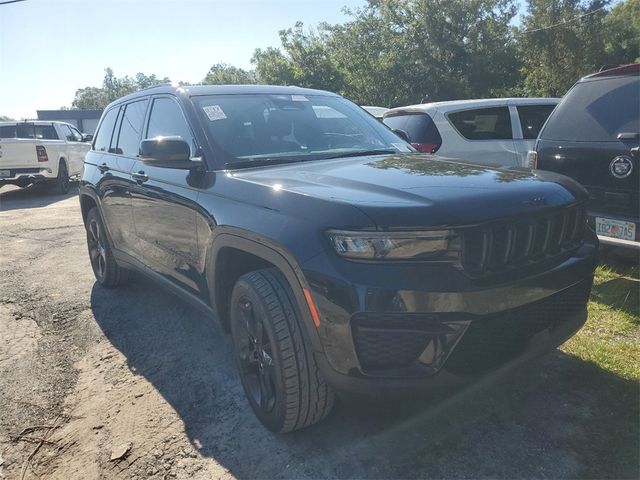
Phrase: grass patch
x=610 y=343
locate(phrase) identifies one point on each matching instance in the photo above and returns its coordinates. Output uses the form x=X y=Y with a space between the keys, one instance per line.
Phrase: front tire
x=107 y=272
x=278 y=372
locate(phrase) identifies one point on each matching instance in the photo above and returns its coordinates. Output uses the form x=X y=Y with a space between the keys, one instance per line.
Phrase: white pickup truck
x=37 y=151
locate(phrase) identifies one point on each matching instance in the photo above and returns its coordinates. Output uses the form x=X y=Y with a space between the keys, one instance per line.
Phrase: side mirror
x=86 y=137
x=167 y=152
x=402 y=134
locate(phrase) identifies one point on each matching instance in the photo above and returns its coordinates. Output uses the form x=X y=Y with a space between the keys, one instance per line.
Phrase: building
x=85 y=120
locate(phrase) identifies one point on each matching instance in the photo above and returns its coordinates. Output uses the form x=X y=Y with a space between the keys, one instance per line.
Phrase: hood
x=419 y=190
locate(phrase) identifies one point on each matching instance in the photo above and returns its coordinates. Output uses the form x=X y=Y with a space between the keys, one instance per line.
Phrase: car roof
x=195 y=90
x=630 y=69
x=462 y=104
x=33 y=122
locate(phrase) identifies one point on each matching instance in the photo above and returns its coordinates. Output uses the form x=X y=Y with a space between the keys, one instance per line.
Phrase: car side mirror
x=167 y=152
x=402 y=134
x=86 y=137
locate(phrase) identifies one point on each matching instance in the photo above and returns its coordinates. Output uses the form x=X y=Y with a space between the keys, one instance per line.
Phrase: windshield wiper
x=261 y=162
x=364 y=153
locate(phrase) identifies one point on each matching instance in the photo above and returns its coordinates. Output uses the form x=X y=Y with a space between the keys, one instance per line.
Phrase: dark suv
x=337 y=257
x=593 y=136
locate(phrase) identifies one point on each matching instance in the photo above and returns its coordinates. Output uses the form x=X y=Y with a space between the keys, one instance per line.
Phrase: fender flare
x=270 y=251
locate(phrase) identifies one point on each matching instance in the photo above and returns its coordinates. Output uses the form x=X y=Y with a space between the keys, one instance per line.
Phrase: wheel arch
x=232 y=255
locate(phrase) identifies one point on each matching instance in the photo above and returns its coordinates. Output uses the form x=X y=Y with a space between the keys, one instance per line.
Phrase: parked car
x=593 y=137
x=377 y=112
x=338 y=261
x=33 y=152
x=497 y=131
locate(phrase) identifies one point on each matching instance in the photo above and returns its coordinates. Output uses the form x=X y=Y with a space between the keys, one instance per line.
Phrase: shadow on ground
x=562 y=417
x=33 y=196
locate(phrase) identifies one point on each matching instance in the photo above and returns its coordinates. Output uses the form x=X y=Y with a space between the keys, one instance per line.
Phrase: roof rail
x=632 y=68
x=154 y=86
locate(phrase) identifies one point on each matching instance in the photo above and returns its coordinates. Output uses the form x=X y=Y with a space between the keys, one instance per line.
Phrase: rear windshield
x=597 y=110
x=28 y=130
x=418 y=125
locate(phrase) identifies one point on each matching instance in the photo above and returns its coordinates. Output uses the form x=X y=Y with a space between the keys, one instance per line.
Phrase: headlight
x=394 y=245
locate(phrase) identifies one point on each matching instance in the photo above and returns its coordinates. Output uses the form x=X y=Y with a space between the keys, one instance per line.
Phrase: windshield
x=251 y=129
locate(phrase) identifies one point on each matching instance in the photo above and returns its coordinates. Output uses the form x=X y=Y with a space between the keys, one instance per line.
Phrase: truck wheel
x=278 y=372
x=62 y=180
x=107 y=272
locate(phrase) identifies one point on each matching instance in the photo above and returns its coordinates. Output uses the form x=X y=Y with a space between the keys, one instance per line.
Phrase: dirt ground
x=88 y=374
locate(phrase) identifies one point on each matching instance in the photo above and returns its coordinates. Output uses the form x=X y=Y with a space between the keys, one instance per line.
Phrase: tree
x=622 y=40
x=224 y=74
x=561 y=41
x=4 y=118
x=306 y=61
x=113 y=88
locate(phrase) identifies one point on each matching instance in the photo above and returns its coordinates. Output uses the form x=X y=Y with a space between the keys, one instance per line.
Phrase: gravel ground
x=132 y=383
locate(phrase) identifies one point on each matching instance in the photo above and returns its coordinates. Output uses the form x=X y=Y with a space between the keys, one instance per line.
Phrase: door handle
x=103 y=168
x=635 y=151
x=140 y=176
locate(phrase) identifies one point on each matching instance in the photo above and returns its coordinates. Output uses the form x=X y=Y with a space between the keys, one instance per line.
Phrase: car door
x=81 y=147
x=482 y=135
x=164 y=204
x=73 y=152
x=116 y=139
x=527 y=123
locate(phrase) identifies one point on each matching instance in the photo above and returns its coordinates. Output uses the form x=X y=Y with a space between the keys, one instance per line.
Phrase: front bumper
x=400 y=327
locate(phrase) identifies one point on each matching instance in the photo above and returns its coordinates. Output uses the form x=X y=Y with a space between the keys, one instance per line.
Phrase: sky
x=50 y=48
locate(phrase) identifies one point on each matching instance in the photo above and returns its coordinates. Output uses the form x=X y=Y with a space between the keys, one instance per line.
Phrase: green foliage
x=622 y=25
x=112 y=89
x=4 y=118
x=224 y=74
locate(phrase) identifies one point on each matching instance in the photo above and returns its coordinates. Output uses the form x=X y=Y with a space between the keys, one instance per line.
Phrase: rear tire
x=62 y=180
x=107 y=272
x=277 y=369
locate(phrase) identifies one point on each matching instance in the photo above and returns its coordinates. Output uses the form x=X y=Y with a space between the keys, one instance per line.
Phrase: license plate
x=615 y=228
x=5 y=173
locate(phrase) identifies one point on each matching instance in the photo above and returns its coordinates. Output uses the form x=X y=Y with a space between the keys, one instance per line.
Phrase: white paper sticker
x=401 y=147
x=214 y=112
x=299 y=98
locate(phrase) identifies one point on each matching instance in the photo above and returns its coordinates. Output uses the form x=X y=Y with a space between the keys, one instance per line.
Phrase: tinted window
x=166 y=119
x=291 y=126
x=483 y=123
x=46 y=132
x=597 y=110
x=105 y=130
x=8 y=131
x=25 y=130
x=419 y=127
x=532 y=118
x=131 y=128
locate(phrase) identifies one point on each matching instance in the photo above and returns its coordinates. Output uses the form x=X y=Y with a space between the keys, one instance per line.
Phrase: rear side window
x=166 y=119
x=597 y=110
x=131 y=128
x=418 y=125
x=25 y=130
x=532 y=118
x=8 y=131
x=105 y=131
x=46 y=132
x=483 y=123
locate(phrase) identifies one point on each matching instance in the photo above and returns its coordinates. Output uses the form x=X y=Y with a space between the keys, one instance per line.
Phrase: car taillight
x=41 y=152
x=426 y=147
x=532 y=159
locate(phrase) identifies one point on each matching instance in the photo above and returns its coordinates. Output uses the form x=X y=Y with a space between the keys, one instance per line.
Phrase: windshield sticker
x=401 y=147
x=299 y=98
x=214 y=112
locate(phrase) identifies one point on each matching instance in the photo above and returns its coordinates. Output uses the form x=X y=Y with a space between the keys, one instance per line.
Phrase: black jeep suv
x=593 y=136
x=337 y=256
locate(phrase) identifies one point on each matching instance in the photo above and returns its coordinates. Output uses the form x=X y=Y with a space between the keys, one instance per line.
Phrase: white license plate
x=615 y=228
x=5 y=173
